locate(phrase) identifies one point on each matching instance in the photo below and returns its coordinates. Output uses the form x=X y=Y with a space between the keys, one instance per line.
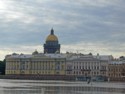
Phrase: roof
x=83 y=58
x=52 y=37
x=19 y=56
x=104 y=57
x=39 y=55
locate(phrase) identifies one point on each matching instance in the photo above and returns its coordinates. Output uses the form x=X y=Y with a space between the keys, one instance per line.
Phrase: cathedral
x=52 y=45
x=52 y=65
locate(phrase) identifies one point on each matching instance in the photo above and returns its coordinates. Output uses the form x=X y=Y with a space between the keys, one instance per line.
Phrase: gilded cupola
x=52 y=37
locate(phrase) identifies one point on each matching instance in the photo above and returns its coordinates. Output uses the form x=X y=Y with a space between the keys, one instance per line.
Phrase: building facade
x=116 y=70
x=86 y=66
x=38 y=64
x=53 y=63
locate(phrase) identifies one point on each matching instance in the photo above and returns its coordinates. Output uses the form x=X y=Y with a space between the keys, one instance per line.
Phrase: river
x=8 y=86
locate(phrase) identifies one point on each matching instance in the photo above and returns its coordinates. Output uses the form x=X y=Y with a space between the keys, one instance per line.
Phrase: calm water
x=59 y=87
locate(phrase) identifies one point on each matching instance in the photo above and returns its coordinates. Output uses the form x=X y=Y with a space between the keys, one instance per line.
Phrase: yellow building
x=51 y=62
x=35 y=64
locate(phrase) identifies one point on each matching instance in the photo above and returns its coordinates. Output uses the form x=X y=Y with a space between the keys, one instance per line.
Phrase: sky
x=83 y=26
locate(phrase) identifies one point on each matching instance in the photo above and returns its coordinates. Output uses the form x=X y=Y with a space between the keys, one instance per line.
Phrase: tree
x=121 y=57
x=90 y=54
x=2 y=67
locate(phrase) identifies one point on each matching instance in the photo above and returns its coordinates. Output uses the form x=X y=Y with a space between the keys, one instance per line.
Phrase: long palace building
x=52 y=63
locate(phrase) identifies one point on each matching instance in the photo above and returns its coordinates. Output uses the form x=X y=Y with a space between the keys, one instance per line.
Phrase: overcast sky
x=96 y=26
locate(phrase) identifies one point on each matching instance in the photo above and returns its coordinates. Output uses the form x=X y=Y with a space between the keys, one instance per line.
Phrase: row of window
x=89 y=63
x=84 y=73
x=14 y=72
x=118 y=70
x=34 y=67
x=13 y=62
x=115 y=75
x=84 y=67
x=32 y=72
x=37 y=66
x=49 y=72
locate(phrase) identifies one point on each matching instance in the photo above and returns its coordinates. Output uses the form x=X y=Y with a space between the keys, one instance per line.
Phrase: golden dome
x=52 y=37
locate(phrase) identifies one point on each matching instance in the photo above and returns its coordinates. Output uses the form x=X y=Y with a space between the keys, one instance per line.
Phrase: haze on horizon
x=84 y=25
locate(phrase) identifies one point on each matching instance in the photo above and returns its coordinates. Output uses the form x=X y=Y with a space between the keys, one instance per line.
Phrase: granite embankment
x=37 y=77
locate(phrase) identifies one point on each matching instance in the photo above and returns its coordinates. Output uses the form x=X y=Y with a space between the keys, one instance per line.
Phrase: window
x=74 y=67
x=80 y=67
x=63 y=67
x=77 y=67
x=74 y=72
x=97 y=67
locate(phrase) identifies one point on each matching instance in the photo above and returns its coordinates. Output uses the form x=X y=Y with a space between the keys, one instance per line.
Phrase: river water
x=59 y=87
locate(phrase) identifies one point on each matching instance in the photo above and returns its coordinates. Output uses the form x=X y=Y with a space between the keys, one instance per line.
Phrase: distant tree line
x=2 y=67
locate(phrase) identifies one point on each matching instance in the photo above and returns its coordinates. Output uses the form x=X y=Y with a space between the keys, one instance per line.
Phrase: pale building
x=86 y=65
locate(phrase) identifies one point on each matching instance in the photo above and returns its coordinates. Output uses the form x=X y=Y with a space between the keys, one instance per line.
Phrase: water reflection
x=23 y=91
x=17 y=87
x=62 y=90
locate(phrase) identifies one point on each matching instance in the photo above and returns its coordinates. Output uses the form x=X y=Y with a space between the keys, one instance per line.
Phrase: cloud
x=103 y=49
x=97 y=25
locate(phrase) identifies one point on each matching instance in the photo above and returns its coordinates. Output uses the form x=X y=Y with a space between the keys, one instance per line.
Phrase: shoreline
x=49 y=77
